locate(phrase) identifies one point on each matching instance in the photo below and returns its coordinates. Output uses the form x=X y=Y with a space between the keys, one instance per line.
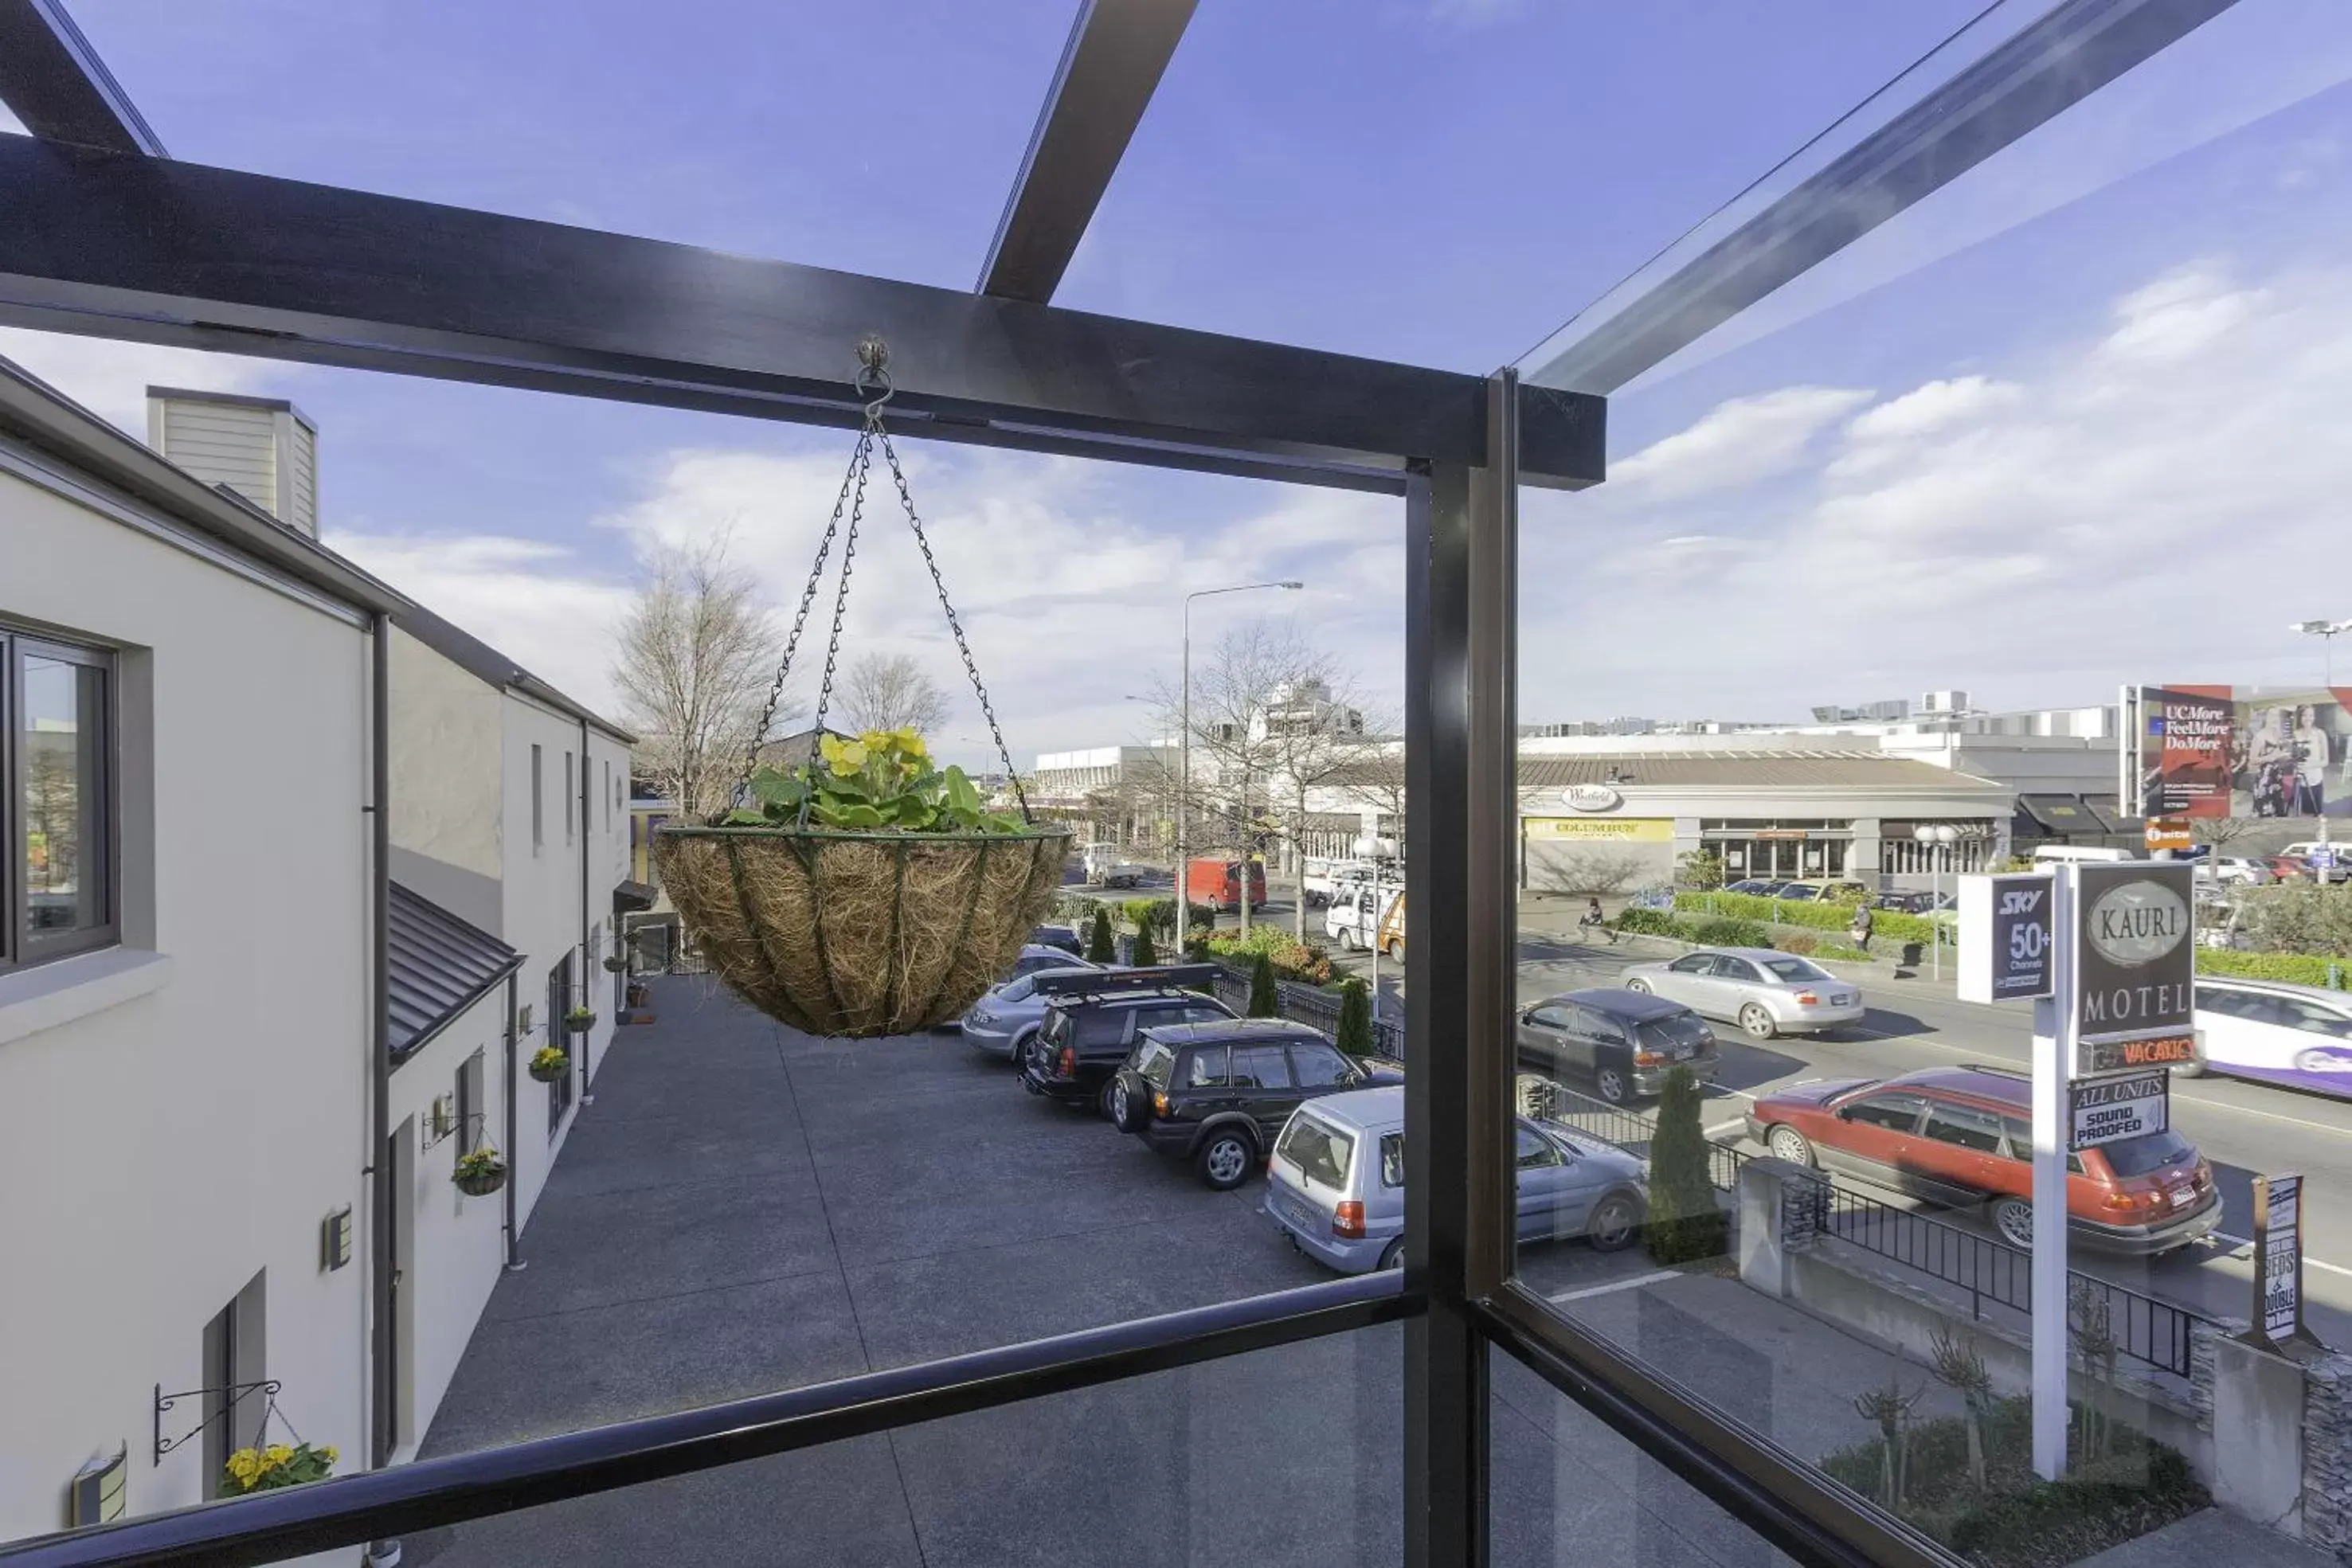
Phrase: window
x=608 y=797
x=1596 y=1025
x=235 y=1406
x=472 y=1130
x=1103 y=1026
x=1320 y=1066
x=559 y=1002
x=1391 y=1159
x=1693 y=964
x=1896 y=1112
x=2148 y=1153
x=1260 y=1067
x=567 y=797
x=1729 y=968
x=2020 y=1143
x=57 y=773
x=1549 y=1017
x=1797 y=969
x=1965 y=1128
x=1156 y=1064
x=1535 y=1150
x=1322 y=1153
x=538 y=800
x=2313 y=1017
x=1208 y=1069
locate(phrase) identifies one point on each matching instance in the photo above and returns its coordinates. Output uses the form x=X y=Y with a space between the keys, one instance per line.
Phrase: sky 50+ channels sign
x=2134 y=964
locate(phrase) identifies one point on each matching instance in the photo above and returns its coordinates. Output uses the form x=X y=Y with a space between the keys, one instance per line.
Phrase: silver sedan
x=1007 y=1019
x=1763 y=991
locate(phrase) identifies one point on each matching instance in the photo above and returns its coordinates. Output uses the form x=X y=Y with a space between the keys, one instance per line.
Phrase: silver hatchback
x=1764 y=992
x=1002 y=1022
x=1336 y=1183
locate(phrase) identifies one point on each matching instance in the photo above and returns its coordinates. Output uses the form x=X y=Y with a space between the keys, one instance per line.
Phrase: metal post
x=1184 y=794
x=2055 y=1027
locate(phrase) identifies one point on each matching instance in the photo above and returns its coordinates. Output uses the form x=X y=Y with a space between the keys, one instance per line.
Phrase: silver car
x=1763 y=991
x=1336 y=1183
x=1002 y=1022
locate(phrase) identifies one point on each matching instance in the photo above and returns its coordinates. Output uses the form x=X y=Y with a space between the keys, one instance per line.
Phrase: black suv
x=1218 y=1093
x=1624 y=1042
x=1092 y=1021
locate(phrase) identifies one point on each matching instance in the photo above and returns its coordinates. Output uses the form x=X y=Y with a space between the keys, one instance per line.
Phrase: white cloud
x=1737 y=443
x=2142 y=501
x=111 y=377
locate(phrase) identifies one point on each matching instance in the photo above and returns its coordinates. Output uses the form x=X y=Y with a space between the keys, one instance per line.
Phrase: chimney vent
x=265 y=449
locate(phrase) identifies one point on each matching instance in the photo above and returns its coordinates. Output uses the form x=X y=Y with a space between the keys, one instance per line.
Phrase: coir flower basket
x=861 y=934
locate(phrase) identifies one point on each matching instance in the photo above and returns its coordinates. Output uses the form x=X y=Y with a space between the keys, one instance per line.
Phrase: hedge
x=2294 y=968
x=1891 y=924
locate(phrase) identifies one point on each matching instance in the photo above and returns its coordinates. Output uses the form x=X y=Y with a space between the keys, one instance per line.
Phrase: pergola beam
x=1109 y=71
x=54 y=81
x=211 y=258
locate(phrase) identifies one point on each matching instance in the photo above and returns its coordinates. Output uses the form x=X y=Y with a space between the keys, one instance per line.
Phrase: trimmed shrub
x=1836 y=950
x=1654 y=922
x=1143 y=953
x=1100 y=947
x=1818 y=914
x=1717 y=931
x=1801 y=943
x=2294 y=968
x=1264 y=1001
x=1686 y=1222
x=1355 y=1036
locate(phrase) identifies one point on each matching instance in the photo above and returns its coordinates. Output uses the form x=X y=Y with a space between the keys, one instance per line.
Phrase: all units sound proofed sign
x=2126 y=1105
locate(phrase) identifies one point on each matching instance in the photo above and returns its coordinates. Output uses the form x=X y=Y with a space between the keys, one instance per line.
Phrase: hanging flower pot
x=579 y=1021
x=550 y=1063
x=614 y=963
x=868 y=891
x=480 y=1172
x=275 y=1465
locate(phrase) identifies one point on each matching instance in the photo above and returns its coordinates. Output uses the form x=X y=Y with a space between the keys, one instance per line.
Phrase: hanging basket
x=859 y=934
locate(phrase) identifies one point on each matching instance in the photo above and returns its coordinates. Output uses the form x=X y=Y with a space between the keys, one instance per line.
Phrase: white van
x=2050 y=854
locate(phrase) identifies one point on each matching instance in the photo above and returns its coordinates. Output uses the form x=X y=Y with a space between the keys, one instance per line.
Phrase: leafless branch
x=891 y=691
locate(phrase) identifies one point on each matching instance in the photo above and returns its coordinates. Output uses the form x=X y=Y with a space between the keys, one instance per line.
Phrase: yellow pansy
x=329 y=1454
x=844 y=757
x=278 y=1453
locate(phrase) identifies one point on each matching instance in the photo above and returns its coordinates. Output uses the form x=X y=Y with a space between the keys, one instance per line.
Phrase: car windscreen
x=1158 y=1060
x=1673 y=1029
x=1321 y=1152
x=1017 y=991
x=1057 y=1026
x=1796 y=970
x=2148 y=1153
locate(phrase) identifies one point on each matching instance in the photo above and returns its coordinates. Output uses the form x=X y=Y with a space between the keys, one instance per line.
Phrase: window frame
x=20 y=948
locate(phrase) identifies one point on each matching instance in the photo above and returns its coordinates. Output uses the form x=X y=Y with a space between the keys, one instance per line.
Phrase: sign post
x=2053 y=1056
x=2278 y=1263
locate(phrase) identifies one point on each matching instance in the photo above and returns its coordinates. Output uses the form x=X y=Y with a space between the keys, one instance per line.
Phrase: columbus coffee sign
x=2136 y=963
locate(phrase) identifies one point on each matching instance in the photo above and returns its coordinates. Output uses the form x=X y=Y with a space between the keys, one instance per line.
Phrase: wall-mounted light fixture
x=335 y=1240
x=100 y=1488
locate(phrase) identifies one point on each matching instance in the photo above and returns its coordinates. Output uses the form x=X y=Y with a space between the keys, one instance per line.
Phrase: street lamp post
x=2326 y=632
x=1937 y=839
x=1184 y=768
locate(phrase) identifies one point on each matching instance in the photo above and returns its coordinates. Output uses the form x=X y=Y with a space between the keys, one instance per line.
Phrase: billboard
x=2241 y=751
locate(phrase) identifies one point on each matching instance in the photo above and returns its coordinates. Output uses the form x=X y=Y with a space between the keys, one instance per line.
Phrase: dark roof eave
x=425 y=1037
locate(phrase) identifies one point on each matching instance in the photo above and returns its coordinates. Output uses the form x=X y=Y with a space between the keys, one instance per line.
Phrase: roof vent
x=265 y=449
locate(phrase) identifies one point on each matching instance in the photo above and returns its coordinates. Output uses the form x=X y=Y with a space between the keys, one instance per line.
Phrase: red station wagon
x=1963 y=1138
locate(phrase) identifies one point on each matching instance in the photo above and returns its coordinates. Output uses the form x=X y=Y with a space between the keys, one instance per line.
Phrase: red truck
x=1218 y=884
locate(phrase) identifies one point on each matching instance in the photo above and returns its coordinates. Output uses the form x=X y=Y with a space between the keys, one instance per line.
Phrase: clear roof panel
x=832 y=135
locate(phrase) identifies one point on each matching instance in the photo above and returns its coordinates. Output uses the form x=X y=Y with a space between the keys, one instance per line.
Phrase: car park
x=1007 y=1019
x=1092 y=1021
x=1815 y=889
x=1622 y=1042
x=1216 y=1093
x=2299 y=1037
x=1764 y=992
x=1962 y=1137
x=1335 y=1184
x=1758 y=886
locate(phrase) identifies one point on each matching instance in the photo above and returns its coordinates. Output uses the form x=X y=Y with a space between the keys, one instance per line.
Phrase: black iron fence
x=1991 y=1272
x=1311 y=1005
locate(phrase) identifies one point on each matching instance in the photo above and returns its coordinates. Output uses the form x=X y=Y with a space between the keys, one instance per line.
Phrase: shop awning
x=2061 y=814
x=633 y=897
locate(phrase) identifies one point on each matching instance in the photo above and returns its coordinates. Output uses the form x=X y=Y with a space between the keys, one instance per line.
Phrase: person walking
x=1859 y=929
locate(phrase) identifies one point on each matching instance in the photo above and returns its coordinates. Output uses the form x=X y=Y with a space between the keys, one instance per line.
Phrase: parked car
x=1963 y=1138
x=1763 y=991
x=1092 y=1021
x=1216 y=1093
x=2298 y=1035
x=2050 y=854
x=1108 y=867
x=1336 y=1183
x=1758 y=886
x=1218 y=884
x=2238 y=870
x=1323 y=880
x=1007 y=1019
x=1812 y=889
x=1367 y=918
x=1623 y=1041
x=2339 y=855
x=1064 y=937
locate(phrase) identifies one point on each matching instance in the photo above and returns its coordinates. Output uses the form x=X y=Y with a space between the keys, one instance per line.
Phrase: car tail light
x=1807 y=1000
x=1158 y=1103
x=1347 y=1220
x=1069 y=1061
x=2132 y=1202
x=1648 y=1059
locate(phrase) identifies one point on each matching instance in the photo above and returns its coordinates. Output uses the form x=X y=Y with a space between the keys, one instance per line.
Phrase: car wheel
x=2013 y=1218
x=1638 y=985
x=1788 y=1143
x=1347 y=940
x=1758 y=1021
x=2188 y=1070
x=1021 y=1048
x=1613 y=1083
x=1392 y=1255
x=1106 y=1096
x=1616 y=1220
x=1126 y=1109
x=1226 y=1158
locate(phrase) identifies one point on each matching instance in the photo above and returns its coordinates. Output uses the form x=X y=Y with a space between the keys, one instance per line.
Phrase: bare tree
x=891 y=691
x=2219 y=833
x=697 y=652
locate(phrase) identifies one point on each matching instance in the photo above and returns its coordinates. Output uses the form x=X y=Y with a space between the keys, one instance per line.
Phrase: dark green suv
x=1216 y=1094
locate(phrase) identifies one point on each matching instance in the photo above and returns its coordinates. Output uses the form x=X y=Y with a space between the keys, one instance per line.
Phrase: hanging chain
x=873 y=382
x=970 y=667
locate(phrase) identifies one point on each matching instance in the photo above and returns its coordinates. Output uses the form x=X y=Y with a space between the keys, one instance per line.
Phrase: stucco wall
x=456 y=1244
x=446 y=753
x=155 y=1154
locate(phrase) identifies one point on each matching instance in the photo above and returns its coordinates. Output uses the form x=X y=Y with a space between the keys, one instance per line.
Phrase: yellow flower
x=278 y=1453
x=328 y=1453
x=844 y=757
x=911 y=743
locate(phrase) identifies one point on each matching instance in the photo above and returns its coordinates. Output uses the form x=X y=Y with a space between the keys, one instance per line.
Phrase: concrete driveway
x=744 y=1208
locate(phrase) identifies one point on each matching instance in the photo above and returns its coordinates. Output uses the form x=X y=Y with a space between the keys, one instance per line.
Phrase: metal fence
x=1989 y=1271
x=1315 y=1008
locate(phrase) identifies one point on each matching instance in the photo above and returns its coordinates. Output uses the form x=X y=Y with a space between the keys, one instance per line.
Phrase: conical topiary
x=1264 y=1001
x=1100 y=948
x=1684 y=1220
x=1145 y=953
x=1355 y=1019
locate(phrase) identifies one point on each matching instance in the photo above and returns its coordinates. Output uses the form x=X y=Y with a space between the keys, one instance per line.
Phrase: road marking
x=2311 y=1261
x=1720 y=1128
x=1635 y=1284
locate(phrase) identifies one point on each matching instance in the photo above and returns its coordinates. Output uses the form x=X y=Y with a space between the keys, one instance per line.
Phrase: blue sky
x=1442 y=182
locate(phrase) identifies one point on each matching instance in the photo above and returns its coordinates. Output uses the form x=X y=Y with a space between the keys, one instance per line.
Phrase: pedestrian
x=1859 y=929
x=1595 y=921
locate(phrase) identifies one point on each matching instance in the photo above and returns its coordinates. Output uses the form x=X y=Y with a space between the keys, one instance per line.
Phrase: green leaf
x=914 y=811
x=856 y=814
x=773 y=787
x=1003 y=822
x=961 y=796
x=740 y=818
